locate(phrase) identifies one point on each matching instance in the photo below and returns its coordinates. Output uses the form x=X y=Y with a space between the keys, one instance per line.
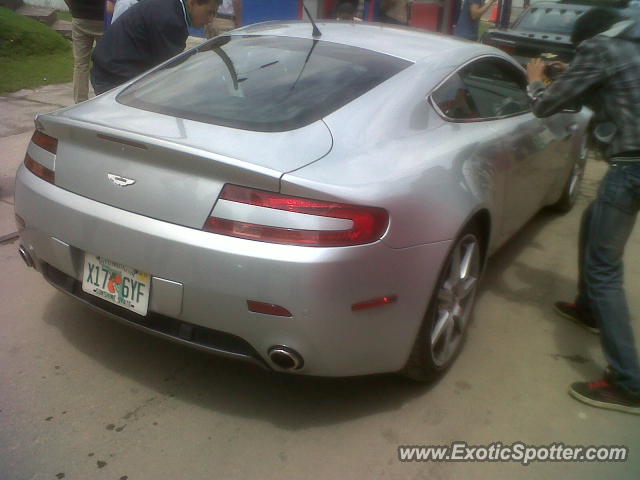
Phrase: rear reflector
x=39 y=170
x=268 y=309
x=368 y=224
x=376 y=302
x=44 y=141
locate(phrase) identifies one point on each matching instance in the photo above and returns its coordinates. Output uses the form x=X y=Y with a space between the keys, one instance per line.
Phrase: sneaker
x=573 y=313
x=602 y=394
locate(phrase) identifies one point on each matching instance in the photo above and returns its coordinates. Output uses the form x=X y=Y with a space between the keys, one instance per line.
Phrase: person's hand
x=535 y=70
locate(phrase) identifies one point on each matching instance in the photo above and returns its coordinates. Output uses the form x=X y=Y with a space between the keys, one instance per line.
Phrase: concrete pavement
x=82 y=397
x=17 y=111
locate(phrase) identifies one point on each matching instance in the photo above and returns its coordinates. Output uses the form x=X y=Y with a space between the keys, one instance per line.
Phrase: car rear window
x=550 y=20
x=261 y=83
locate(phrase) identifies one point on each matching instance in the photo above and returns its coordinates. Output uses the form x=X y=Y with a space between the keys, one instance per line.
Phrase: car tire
x=444 y=326
x=572 y=186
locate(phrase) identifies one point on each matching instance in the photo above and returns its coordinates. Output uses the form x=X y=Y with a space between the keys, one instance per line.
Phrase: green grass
x=35 y=71
x=31 y=54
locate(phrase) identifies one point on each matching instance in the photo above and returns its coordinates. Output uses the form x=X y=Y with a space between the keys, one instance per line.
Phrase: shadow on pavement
x=234 y=388
x=540 y=287
x=294 y=402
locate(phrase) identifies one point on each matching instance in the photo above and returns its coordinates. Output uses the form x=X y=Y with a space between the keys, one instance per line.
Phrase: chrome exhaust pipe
x=25 y=257
x=285 y=358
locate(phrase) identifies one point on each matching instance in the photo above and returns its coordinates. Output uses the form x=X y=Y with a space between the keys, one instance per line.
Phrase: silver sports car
x=322 y=205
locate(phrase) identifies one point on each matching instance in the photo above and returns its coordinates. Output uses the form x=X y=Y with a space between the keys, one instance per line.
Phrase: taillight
x=46 y=142
x=367 y=225
x=39 y=170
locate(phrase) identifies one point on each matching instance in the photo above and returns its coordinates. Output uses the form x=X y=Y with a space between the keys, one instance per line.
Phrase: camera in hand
x=551 y=70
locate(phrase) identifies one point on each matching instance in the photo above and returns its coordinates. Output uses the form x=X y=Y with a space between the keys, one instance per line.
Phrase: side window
x=497 y=88
x=454 y=100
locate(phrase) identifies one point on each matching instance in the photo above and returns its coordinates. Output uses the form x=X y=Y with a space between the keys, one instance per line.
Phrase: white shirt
x=226 y=8
x=121 y=7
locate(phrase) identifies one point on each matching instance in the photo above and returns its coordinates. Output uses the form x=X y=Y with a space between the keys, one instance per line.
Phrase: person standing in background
x=469 y=18
x=146 y=35
x=346 y=11
x=229 y=16
x=87 y=26
x=121 y=7
x=351 y=10
x=395 y=12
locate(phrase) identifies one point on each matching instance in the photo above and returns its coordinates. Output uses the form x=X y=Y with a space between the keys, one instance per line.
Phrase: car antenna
x=316 y=30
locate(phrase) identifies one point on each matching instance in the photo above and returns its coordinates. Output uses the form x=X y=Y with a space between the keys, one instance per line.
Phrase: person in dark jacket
x=147 y=34
x=605 y=74
x=87 y=25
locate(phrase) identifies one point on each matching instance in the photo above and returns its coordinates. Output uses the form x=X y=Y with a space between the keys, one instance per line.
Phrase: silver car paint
x=424 y=160
x=179 y=192
x=219 y=274
x=407 y=43
x=388 y=148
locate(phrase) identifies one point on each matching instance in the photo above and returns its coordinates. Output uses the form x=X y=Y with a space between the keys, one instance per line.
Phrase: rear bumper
x=204 y=281
x=219 y=343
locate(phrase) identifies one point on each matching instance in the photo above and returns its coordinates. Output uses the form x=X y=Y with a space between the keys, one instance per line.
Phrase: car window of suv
x=550 y=20
x=454 y=101
x=498 y=88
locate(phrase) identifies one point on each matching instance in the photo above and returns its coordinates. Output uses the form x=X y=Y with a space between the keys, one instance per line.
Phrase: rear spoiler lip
x=496 y=34
x=53 y=124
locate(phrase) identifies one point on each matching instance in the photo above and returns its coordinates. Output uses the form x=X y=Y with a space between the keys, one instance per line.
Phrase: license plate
x=116 y=283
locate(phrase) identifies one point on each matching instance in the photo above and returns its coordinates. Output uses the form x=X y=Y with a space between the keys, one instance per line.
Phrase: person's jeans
x=606 y=226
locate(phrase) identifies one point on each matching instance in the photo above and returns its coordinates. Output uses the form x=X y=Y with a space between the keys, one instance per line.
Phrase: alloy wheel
x=455 y=300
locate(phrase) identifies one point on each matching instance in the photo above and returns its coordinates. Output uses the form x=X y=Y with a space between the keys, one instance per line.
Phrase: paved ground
x=82 y=397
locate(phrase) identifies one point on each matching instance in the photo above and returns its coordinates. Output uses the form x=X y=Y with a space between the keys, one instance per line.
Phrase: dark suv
x=545 y=27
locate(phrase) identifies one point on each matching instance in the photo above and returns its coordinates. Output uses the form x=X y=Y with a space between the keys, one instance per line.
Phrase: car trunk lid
x=524 y=45
x=167 y=168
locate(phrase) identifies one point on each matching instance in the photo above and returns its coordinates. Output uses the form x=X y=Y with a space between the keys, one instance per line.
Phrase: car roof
x=408 y=43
